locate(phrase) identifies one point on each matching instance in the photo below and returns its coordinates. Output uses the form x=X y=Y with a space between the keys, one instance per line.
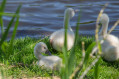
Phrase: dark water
x=42 y=17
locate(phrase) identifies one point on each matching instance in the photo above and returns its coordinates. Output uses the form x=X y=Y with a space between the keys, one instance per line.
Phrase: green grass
x=22 y=62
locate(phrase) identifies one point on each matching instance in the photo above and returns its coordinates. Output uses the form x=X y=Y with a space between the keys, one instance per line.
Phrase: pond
x=42 y=17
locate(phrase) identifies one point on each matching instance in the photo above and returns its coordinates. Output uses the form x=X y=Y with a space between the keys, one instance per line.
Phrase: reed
x=4 y=33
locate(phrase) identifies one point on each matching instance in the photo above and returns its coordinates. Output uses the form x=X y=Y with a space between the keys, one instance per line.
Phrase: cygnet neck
x=104 y=29
x=38 y=56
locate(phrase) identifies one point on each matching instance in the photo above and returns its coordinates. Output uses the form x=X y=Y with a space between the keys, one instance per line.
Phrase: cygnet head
x=41 y=48
x=70 y=12
x=104 y=19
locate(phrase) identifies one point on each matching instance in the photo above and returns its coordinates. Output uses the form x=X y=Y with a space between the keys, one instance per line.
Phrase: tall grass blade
x=98 y=42
x=14 y=33
x=114 y=26
x=2 y=7
x=65 y=40
x=85 y=59
x=80 y=66
x=87 y=69
x=88 y=51
x=97 y=26
x=65 y=75
x=71 y=59
x=8 y=14
x=96 y=70
x=4 y=36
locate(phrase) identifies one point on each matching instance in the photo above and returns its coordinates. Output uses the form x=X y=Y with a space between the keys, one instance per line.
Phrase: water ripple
x=39 y=17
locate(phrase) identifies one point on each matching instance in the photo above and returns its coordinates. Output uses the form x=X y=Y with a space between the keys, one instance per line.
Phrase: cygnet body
x=110 y=44
x=57 y=38
x=47 y=62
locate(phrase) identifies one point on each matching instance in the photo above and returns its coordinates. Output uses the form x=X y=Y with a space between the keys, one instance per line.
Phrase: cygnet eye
x=44 y=47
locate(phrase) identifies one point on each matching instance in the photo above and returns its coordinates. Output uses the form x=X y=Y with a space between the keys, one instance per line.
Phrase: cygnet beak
x=48 y=52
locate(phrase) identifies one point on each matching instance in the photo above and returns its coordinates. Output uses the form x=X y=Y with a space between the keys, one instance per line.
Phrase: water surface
x=42 y=17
